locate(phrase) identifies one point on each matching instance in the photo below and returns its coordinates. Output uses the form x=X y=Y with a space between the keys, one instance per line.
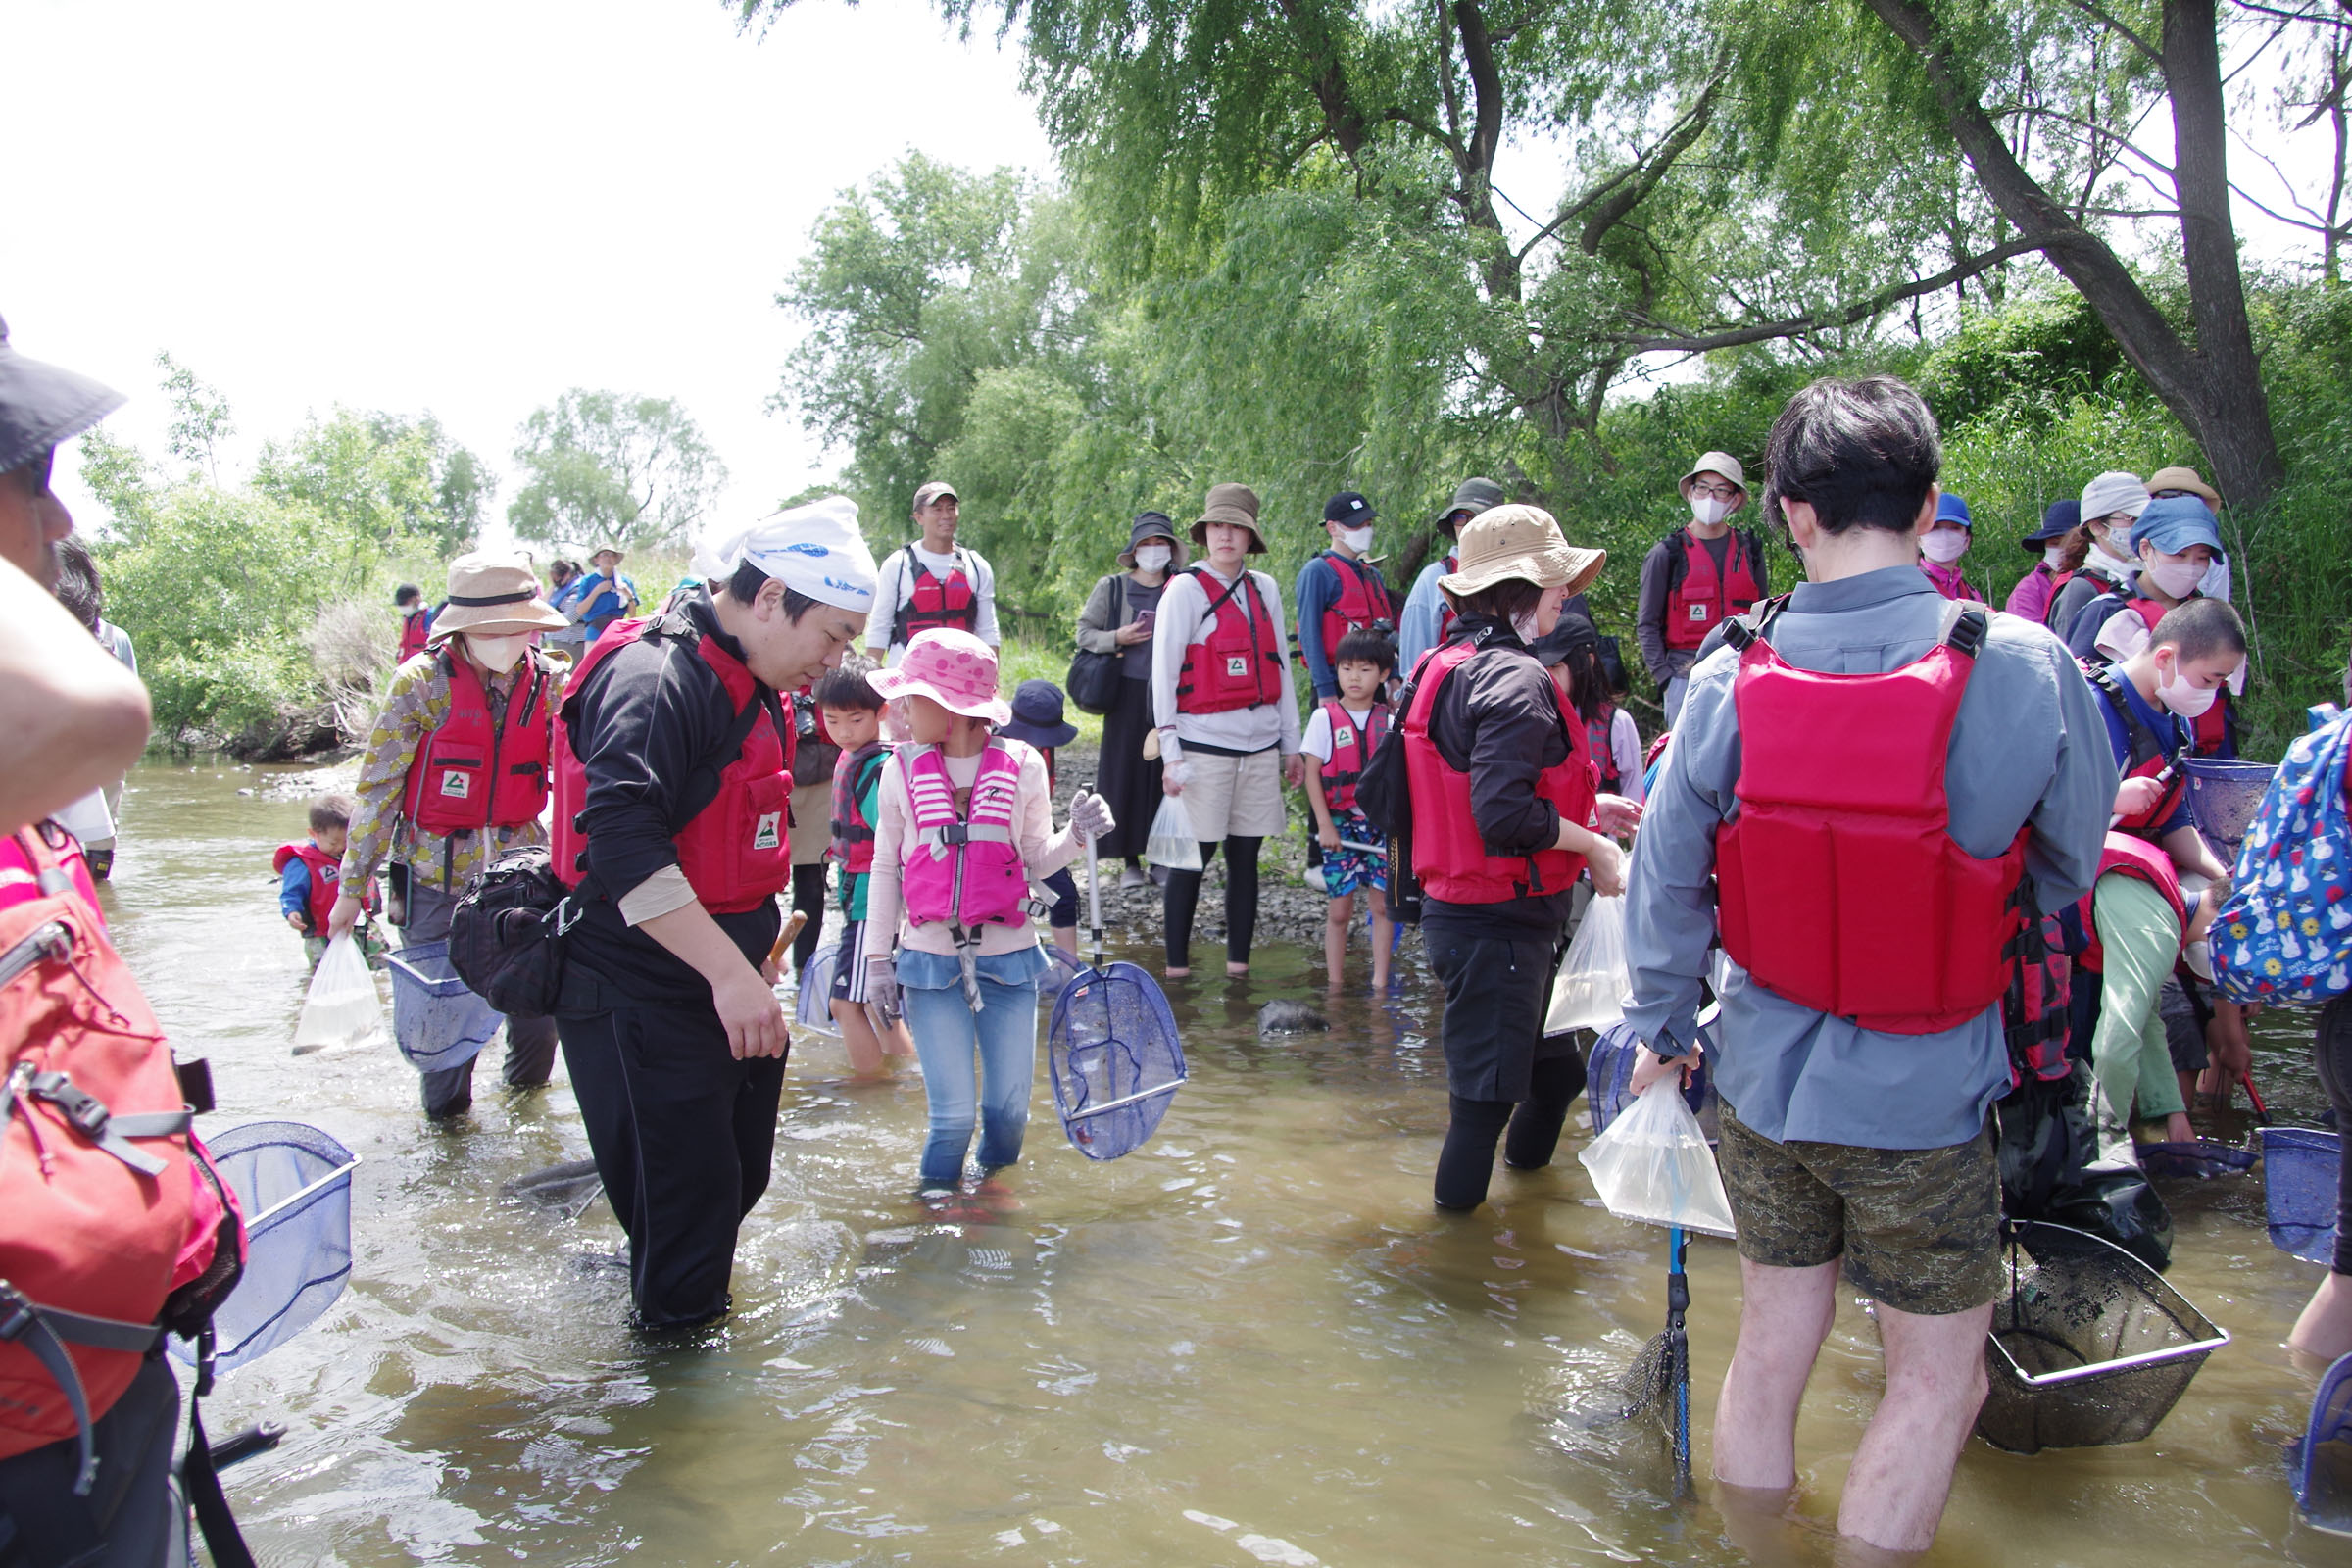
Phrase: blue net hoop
x=2299 y=1167
x=1116 y=1063
x=293 y=1183
x=1609 y=1075
x=813 y=1008
x=436 y=1021
x=2318 y=1460
x=2223 y=794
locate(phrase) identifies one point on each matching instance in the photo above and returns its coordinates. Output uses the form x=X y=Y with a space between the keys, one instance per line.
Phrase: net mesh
x=2223 y=794
x=2299 y=1185
x=293 y=1183
x=436 y=1021
x=2321 y=1458
x=1114 y=1059
x=2197 y=1159
x=813 y=1008
x=2120 y=1343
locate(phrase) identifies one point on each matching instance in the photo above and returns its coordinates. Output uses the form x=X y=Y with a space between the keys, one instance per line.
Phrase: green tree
x=200 y=416
x=607 y=467
x=392 y=479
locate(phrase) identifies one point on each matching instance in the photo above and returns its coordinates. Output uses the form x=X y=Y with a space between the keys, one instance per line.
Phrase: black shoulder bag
x=1093 y=683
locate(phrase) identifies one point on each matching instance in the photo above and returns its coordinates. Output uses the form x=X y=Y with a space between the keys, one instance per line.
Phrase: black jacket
x=1499 y=720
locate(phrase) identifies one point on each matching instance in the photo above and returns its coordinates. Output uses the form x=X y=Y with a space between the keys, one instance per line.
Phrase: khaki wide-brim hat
x=1520 y=542
x=1720 y=462
x=1235 y=504
x=2185 y=479
x=496 y=595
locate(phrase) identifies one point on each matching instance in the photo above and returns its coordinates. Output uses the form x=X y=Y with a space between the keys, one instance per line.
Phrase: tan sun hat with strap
x=494 y=594
x=1522 y=542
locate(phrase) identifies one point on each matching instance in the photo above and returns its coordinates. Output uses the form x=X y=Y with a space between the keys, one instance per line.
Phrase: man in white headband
x=672 y=773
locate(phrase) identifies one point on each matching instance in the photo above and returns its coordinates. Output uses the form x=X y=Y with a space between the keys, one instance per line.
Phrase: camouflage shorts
x=1919 y=1228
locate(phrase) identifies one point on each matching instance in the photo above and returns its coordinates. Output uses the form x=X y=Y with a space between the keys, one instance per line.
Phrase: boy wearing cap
x=1427 y=613
x=1697 y=577
x=2110 y=504
x=2061 y=542
x=455 y=775
x=1222 y=696
x=1339 y=591
x=1942 y=547
x=932 y=582
x=1861 y=1039
x=673 y=771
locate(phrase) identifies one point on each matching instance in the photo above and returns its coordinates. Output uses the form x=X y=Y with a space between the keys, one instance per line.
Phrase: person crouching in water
x=674 y=777
x=1341 y=737
x=1503 y=795
x=966 y=822
x=852 y=714
x=1863 y=774
x=455 y=775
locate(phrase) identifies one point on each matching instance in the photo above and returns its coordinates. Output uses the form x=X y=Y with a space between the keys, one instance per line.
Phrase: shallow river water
x=1253 y=1342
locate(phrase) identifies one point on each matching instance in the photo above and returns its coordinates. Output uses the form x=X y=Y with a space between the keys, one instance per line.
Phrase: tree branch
x=2105 y=18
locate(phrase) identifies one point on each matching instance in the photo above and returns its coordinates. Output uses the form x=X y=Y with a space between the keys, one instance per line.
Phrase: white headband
x=814 y=550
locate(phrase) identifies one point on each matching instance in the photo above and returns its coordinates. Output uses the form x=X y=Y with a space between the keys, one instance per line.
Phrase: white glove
x=1089 y=815
x=882 y=988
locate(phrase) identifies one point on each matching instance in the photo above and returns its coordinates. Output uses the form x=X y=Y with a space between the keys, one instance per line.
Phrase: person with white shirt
x=932 y=582
x=1222 y=696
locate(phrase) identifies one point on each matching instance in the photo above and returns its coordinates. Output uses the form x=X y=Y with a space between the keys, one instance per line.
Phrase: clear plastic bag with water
x=342 y=1008
x=1653 y=1165
x=1171 y=843
x=1593 y=981
x=813 y=1008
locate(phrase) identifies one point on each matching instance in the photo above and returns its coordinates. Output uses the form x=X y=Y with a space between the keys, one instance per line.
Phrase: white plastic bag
x=1591 y=990
x=1171 y=843
x=1653 y=1165
x=342 y=1008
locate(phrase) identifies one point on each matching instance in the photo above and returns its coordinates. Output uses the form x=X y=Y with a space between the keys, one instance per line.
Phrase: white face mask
x=1709 y=510
x=1154 y=557
x=498 y=655
x=2183 y=697
x=1359 y=540
x=1943 y=546
x=2177 y=579
x=2054 y=558
x=1524 y=626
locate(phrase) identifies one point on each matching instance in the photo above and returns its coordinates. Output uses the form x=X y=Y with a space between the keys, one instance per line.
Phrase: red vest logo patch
x=769 y=835
x=456 y=783
x=1237 y=665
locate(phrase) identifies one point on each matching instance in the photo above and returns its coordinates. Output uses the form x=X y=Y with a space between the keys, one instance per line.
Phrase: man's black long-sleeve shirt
x=648 y=725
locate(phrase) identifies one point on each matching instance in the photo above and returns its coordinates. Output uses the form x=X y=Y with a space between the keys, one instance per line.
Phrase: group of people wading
x=1866 y=778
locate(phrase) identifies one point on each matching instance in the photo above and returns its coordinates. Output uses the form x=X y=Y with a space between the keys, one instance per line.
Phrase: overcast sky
x=469 y=205
x=466 y=205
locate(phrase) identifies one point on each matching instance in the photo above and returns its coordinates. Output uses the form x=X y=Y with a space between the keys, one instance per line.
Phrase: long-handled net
x=293 y=1184
x=2223 y=794
x=2300 y=1191
x=1111 y=1049
x=2321 y=1460
x=1656 y=1388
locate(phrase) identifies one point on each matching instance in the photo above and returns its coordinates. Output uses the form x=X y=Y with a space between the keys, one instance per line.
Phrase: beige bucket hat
x=2177 y=478
x=1523 y=542
x=1721 y=463
x=1235 y=504
x=496 y=595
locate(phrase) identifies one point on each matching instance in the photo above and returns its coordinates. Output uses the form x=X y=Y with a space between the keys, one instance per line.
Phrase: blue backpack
x=2286 y=935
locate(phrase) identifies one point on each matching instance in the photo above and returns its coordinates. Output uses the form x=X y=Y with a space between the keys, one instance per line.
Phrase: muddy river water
x=1253 y=1342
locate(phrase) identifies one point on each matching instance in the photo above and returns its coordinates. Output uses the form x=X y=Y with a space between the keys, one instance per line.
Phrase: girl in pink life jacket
x=966 y=823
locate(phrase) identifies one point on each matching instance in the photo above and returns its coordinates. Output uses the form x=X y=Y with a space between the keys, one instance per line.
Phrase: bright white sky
x=464 y=206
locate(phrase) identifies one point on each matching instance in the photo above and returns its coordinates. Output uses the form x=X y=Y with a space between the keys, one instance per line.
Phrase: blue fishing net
x=2299 y=1167
x=436 y=1021
x=1112 y=1053
x=814 y=1007
x=293 y=1183
x=2223 y=794
x=2195 y=1159
x=1609 y=1075
x=2321 y=1460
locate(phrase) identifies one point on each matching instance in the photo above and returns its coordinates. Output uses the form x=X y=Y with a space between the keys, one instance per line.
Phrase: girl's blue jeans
x=951 y=1040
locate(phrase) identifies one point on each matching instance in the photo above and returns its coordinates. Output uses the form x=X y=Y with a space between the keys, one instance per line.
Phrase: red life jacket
x=2149 y=756
x=2125 y=855
x=1696 y=599
x=1840 y=884
x=736 y=851
x=1446 y=609
x=1239 y=663
x=476 y=772
x=934 y=602
x=1448 y=857
x=416 y=630
x=99 y=1170
x=853 y=834
x=1363 y=599
x=1351 y=748
x=325 y=871
x=1600 y=741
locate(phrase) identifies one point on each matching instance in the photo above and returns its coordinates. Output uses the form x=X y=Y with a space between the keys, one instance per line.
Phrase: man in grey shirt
x=1841 y=1141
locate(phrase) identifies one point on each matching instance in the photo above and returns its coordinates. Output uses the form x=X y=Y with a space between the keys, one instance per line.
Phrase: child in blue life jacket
x=1037 y=718
x=308 y=872
x=852 y=714
x=965 y=822
x=1342 y=736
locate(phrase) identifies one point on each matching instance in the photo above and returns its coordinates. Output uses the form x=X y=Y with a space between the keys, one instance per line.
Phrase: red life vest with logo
x=936 y=602
x=325 y=871
x=2125 y=855
x=1600 y=740
x=1239 y=663
x=475 y=772
x=1448 y=857
x=853 y=834
x=1697 y=599
x=1352 y=746
x=1363 y=599
x=1840 y=884
x=416 y=630
x=2149 y=757
x=736 y=852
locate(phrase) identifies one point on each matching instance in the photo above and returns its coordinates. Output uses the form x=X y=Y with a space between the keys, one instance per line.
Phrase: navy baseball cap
x=1349 y=507
x=42 y=405
x=2058 y=519
x=1949 y=508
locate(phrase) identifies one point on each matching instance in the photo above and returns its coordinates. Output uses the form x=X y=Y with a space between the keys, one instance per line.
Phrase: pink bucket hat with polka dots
x=953 y=669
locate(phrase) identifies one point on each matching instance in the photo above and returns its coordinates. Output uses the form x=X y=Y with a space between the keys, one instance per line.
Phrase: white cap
x=2111 y=493
x=814 y=550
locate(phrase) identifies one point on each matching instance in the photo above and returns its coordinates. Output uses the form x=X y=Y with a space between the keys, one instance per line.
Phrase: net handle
x=1094 y=891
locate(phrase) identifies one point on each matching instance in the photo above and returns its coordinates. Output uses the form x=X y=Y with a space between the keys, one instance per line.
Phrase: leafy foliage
x=608 y=468
x=398 y=481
